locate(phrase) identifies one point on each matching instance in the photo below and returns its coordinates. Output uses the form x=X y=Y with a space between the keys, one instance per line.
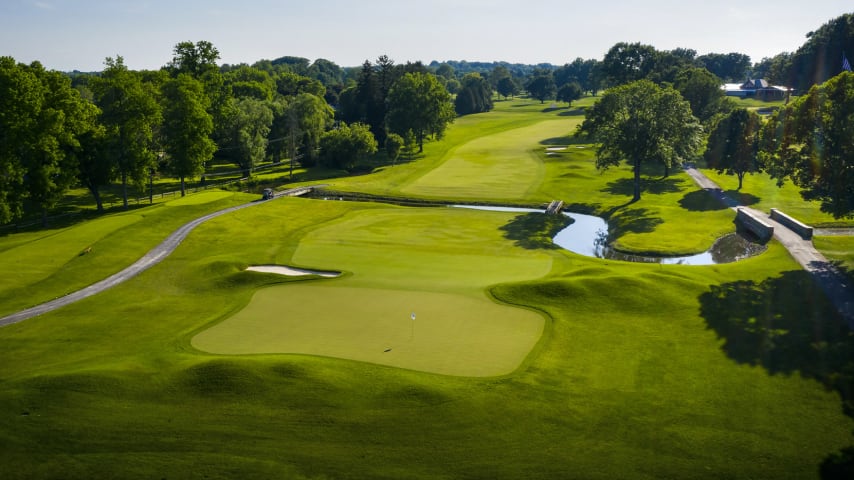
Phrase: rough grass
x=40 y=266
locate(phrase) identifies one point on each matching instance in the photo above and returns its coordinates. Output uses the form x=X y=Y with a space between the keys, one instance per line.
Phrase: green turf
x=435 y=262
x=452 y=334
x=761 y=192
x=499 y=165
x=44 y=265
x=642 y=371
x=200 y=198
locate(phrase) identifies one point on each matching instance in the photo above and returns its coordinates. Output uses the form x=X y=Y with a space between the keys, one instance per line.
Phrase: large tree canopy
x=702 y=90
x=187 y=127
x=732 y=144
x=811 y=141
x=475 y=95
x=642 y=122
x=420 y=103
x=344 y=145
x=130 y=114
x=820 y=57
x=542 y=87
x=41 y=120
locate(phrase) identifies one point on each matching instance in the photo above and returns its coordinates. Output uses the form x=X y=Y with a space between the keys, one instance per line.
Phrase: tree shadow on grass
x=654 y=186
x=570 y=139
x=535 y=230
x=742 y=198
x=578 y=112
x=786 y=325
x=701 y=201
x=635 y=220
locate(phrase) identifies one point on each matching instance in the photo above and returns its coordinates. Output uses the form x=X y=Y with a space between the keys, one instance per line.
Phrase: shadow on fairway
x=786 y=326
x=700 y=201
x=535 y=230
x=654 y=186
x=742 y=198
x=578 y=112
x=635 y=220
x=570 y=139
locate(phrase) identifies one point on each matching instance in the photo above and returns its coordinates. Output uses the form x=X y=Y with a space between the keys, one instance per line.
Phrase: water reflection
x=588 y=235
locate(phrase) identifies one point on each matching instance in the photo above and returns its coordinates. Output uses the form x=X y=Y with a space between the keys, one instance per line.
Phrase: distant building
x=758 y=88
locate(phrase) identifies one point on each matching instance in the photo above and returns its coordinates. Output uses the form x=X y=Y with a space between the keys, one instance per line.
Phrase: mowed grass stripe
x=31 y=262
x=499 y=165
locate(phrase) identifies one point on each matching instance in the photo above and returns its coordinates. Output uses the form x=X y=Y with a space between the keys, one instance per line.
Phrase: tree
x=130 y=114
x=820 y=57
x=194 y=59
x=343 y=146
x=250 y=82
x=419 y=102
x=41 y=119
x=810 y=142
x=627 y=62
x=187 y=127
x=393 y=145
x=733 y=143
x=507 y=87
x=301 y=123
x=702 y=90
x=731 y=67
x=51 y=163
x=475 y=96
x=95 y=168
x=248 y=124
x=542 y=87
x=641 y=122
x=569 y=92
x=580 y=71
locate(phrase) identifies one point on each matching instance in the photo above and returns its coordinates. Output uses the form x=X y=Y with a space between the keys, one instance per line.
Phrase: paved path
x=153 y=257
x=834 y=283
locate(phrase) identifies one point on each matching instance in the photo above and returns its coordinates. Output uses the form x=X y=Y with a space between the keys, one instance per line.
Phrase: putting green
x=435 y=262
x=502 y=165
x=451 y=334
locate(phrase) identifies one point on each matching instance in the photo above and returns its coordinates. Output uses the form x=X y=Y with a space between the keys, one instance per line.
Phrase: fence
x=18 y=226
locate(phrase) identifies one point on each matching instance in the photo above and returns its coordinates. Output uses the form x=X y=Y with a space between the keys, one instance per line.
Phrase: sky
x=79 y=34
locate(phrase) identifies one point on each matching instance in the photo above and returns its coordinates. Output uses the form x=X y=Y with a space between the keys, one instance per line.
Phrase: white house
x=757 y=88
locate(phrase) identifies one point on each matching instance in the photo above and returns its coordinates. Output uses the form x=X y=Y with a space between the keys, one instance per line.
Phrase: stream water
x=588 y=235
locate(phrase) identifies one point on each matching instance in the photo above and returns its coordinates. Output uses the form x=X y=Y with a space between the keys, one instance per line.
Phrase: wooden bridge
x=554 y=207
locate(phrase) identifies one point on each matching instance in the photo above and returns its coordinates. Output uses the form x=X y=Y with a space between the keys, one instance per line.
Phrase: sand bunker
x=291 y=271
x=555 y=149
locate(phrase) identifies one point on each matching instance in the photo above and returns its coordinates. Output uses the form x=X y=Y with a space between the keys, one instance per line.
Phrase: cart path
x=153 y=257
x=835 y=284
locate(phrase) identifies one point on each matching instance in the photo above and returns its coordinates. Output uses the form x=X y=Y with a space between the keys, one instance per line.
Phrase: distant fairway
x=452 y=334
x=499 y=165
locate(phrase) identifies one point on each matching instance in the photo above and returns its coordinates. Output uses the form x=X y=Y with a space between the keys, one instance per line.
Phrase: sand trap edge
x=291 y=271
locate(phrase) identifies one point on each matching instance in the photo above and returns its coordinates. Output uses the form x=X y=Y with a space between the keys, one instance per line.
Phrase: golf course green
x=522 y=360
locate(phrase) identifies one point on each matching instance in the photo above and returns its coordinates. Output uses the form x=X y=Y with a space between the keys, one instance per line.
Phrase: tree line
x=59 y=130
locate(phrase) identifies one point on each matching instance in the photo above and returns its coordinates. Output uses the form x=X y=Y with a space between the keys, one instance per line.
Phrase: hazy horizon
x=78 y=35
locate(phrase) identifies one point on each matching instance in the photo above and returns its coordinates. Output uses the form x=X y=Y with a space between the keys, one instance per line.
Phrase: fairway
x=451 y=334
x=500 y=165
